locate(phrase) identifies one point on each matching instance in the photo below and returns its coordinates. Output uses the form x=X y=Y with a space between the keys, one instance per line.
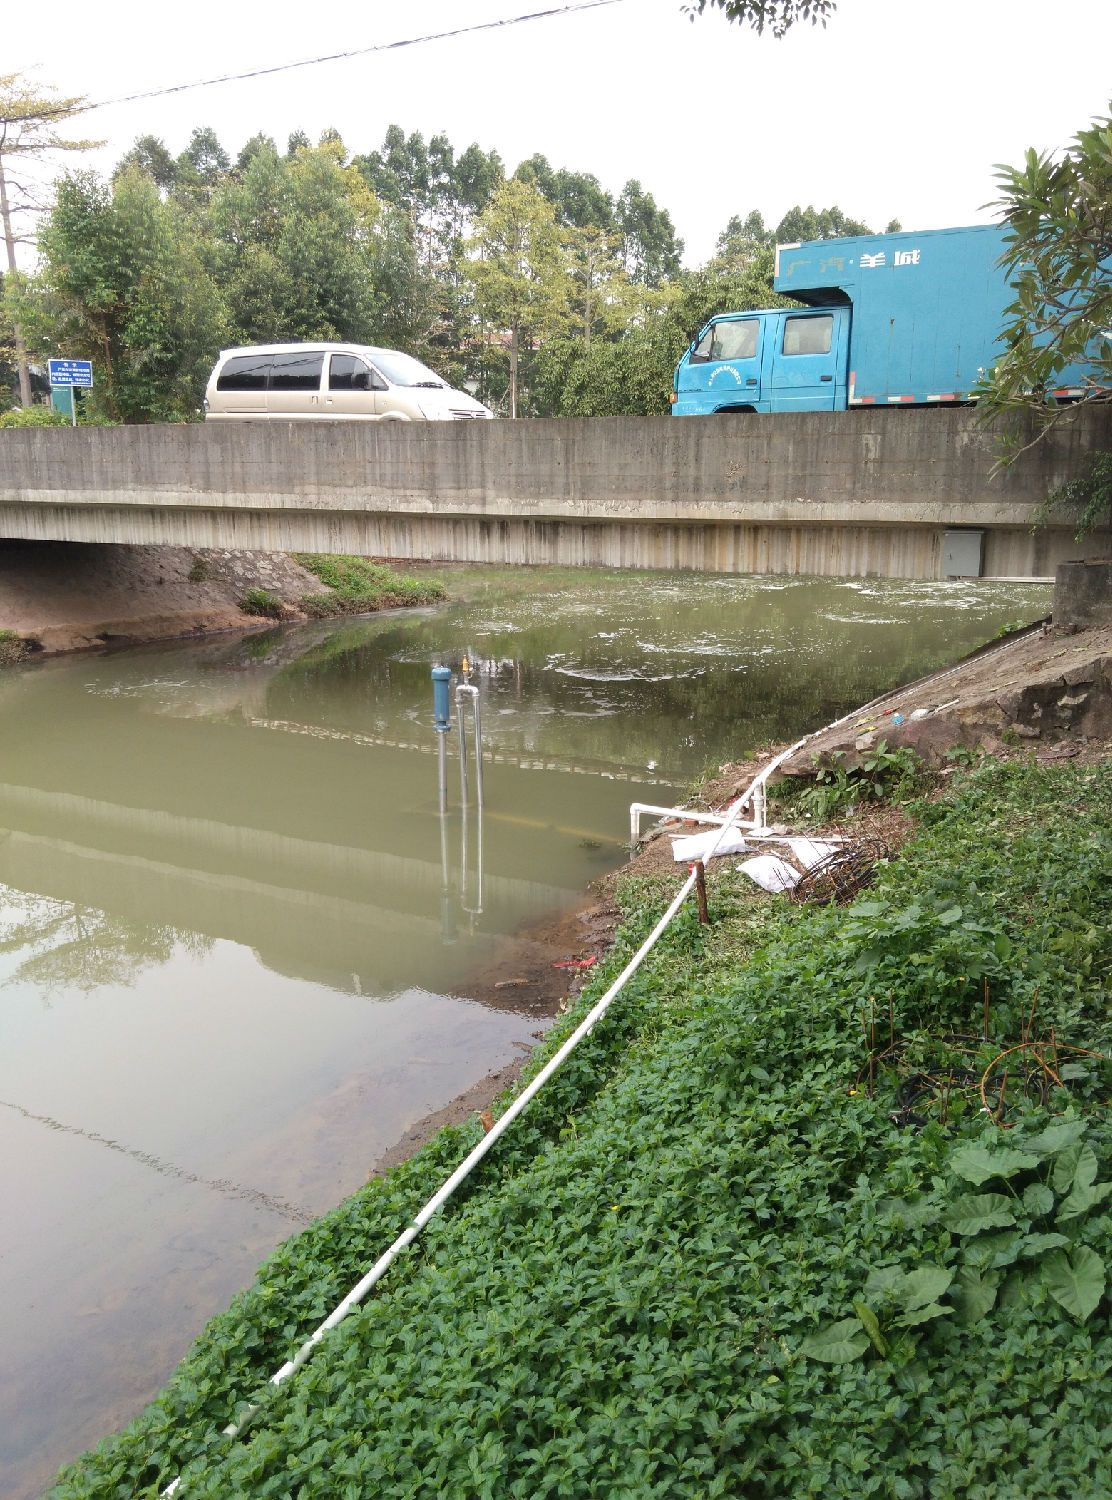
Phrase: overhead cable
x=310 y=62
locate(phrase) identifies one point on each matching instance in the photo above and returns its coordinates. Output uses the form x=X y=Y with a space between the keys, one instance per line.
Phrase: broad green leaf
x=1014 y=1290
x=923 y=1315
x=872 y=1327
x=1056 y=1138
x=977 y=1163
x=1076 y=1167
x=973 y=1295
x=1038 y=1199
x=923 y=1285
x=951 y=915
x=911 y=1212
x=1039 y=1244
x=974 y=1212
x=882 y=1281
x=1077 y=1284
x=1072 y=1071
x=1083 y=1198
x=838 y=1344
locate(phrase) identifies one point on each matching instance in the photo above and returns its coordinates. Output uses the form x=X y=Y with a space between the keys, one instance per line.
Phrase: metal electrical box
x=963 y=554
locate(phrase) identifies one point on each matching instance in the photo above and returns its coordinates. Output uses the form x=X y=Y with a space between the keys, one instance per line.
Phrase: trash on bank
x=701 y=845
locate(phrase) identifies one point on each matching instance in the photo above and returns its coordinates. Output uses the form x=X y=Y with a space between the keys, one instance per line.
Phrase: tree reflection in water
x=68 y=946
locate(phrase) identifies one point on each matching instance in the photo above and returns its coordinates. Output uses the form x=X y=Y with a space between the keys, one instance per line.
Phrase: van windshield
x=403 y=369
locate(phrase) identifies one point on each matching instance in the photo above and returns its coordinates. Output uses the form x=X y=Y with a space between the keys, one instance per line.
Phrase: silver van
x=351 y=381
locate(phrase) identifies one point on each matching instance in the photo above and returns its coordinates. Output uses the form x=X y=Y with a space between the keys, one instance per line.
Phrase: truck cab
x=773 y=359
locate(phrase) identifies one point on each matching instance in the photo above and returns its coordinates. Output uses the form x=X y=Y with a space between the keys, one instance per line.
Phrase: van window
x=808 y=335
x=246 y=372
x=296 y=372
x=348 y=373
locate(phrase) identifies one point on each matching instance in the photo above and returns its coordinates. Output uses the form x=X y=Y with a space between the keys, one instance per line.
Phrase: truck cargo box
x=926 y=308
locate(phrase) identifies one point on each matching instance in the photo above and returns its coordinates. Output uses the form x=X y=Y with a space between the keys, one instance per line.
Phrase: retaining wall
x=861 y=493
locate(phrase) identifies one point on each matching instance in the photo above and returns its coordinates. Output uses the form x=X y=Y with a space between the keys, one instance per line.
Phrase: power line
x=309 y=62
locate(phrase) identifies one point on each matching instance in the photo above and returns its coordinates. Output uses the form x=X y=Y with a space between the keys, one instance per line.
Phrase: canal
x=238 y=943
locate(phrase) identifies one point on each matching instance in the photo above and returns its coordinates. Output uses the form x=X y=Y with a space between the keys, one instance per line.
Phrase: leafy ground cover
x=359 y=585
x=820 y=1209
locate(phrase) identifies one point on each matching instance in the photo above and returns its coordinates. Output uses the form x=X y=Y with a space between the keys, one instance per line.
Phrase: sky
x=898 y=109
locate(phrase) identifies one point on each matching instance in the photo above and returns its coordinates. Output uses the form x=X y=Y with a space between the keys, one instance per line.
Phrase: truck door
x=808 y=369
x=724 y=368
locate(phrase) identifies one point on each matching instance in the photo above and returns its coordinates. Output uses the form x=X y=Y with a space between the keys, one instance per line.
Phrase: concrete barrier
x=862 y=493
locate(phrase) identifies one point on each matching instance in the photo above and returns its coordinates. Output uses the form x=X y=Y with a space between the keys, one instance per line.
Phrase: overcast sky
x=899 y=109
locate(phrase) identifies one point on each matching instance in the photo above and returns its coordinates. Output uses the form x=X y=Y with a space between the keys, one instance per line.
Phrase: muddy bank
x=71 y=596
x=1044 y=689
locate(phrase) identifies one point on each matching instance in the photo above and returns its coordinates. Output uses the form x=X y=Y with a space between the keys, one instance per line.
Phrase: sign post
x=70 y=372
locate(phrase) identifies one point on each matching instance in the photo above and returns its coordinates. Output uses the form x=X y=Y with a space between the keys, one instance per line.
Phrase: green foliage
x=263 y=603
x=884 y=775
x=704 y=1262
x=633 y=375
x=1056 y=207
x=1086 y=499
x=123 y=283
x=778 y=15
x=13 y=648
x=360 y=585
x=33 y=416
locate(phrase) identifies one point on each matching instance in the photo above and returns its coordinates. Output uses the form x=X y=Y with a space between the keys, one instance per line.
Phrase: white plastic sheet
x=699 y=845
x=770 y=873
x=809 y=852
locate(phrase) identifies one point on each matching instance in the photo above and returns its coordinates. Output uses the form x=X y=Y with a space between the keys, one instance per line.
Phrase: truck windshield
x=735 y=339
x=403 y=369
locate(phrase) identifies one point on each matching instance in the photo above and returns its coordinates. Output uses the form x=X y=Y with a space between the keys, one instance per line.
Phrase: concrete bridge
x=869 y=493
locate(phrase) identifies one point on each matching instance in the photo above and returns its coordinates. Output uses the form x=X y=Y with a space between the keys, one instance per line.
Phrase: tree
x=777 y=15
x=816 y=224
x=28 y=132
x=650 y=248
x=518 y=272
x=1058 y=213
x=150 y=155
x=632 y=375
x=124 y=285
x=294 y=240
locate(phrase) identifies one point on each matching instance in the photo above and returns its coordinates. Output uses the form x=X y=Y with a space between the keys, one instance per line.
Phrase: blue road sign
x=70 y=371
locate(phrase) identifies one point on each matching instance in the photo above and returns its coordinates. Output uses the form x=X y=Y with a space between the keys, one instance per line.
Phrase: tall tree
x=650 y=248
x=294 y=239
x=518 y=271
x=123 y=283
x=28 y=131
x=816 y=224
x=152 y=157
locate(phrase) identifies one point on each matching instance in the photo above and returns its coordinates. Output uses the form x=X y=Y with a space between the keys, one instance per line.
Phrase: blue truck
x=889 y=320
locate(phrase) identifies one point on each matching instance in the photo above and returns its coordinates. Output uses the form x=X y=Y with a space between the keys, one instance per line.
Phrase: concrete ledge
x=859 y=493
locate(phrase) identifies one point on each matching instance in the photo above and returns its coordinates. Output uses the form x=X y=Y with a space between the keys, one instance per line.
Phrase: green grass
x=12 y=648
x=263 y=603
x=716 y=1257
x=359 y=586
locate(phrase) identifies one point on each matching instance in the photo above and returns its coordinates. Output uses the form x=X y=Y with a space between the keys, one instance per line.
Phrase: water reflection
x=235 y=931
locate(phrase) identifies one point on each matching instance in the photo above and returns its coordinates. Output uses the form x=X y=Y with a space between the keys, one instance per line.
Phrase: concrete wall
x=868 y=492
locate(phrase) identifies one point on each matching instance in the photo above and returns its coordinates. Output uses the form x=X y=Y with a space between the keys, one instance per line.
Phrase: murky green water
x=236 y=935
